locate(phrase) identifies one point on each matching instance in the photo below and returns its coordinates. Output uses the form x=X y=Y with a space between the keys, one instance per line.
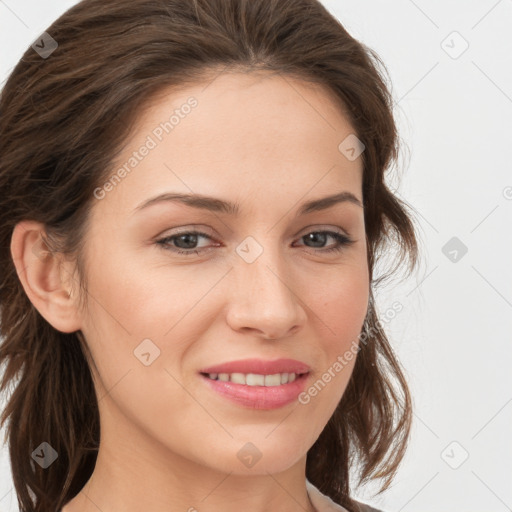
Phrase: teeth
x=253 y=379
x=237 y=378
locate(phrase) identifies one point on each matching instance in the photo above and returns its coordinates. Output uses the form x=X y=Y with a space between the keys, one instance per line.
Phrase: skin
x=169 y=443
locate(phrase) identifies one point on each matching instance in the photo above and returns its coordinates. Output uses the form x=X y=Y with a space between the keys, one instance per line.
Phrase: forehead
x=235 y=133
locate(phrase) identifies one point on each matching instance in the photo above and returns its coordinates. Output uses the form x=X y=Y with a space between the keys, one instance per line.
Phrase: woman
x=192 y=206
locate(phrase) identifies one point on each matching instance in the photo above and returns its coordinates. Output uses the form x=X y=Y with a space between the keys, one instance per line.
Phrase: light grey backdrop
x=451 y=68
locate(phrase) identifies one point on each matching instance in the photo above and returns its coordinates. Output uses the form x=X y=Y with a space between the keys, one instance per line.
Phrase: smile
x=247 y=391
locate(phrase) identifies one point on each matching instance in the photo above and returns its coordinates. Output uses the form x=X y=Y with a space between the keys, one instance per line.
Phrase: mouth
x=257 y=391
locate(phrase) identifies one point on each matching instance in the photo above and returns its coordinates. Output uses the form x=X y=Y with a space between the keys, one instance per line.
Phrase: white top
x=323 y=503
x=320 y=501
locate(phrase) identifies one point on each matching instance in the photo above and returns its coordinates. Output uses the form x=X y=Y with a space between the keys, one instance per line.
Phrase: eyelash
x=343 y=242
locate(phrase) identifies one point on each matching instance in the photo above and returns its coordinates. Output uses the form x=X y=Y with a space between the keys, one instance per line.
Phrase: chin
x=254 y=458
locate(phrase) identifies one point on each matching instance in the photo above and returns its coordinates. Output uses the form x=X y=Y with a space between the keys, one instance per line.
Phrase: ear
x=45 y=276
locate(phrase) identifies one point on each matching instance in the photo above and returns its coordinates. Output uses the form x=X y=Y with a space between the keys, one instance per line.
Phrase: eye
x=185 y=243
x=319 y=237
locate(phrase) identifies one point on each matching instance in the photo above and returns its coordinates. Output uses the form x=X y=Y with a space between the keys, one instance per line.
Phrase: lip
x=259 y=366
x=259 y=397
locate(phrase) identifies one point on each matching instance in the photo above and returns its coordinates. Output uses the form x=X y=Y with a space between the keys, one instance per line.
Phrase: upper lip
x=259 y=366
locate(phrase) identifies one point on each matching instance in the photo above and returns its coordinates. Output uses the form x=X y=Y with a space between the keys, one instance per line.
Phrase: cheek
x=347 y=309
x=129 y=311
x=339 y=308
x=341 y=302
x=136 y=309
x=129 y=295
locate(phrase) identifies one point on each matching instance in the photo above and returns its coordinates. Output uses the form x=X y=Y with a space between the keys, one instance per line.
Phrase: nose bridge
x=264 y=299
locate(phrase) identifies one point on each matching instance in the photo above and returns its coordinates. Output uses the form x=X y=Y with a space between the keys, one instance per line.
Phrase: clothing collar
x=321 y=502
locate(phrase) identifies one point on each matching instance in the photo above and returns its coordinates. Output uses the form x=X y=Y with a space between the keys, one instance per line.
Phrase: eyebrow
x=218 y=205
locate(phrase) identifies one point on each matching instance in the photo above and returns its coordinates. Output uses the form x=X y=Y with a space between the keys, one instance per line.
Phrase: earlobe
x=44 y=276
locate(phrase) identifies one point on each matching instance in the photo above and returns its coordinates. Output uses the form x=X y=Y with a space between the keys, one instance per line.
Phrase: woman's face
x=266 y=278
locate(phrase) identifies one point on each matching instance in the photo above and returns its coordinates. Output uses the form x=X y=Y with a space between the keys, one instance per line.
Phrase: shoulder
x=324 y=504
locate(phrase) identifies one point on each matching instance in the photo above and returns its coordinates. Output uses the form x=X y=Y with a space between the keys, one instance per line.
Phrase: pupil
x=190 y=239
x=315 y=236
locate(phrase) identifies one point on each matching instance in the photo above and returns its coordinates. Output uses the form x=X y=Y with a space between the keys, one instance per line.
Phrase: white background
x=453 y=335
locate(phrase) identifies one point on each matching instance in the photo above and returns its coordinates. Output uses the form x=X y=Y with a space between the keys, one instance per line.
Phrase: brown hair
x=64 y=118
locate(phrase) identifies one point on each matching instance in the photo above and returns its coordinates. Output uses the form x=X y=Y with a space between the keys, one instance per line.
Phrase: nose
x=263 y=299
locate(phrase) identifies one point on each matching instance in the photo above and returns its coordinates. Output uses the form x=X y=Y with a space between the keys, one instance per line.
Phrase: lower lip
x=259 y=397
